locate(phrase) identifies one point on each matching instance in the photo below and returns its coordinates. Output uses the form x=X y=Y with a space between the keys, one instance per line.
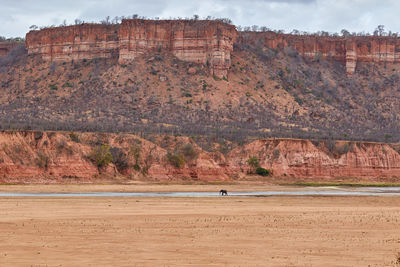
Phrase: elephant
x=223 y=192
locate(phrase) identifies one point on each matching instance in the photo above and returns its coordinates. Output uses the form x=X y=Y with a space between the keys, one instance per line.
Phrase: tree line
x=379 y=31
x=118 y=19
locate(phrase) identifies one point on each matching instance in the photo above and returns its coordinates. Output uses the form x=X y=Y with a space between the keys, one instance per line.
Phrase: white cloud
x=308 y=15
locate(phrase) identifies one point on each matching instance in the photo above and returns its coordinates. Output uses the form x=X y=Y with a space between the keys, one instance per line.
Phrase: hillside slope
x=276 y=86
x=266 y=93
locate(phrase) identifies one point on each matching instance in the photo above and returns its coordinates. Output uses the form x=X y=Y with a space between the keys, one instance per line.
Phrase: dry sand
x=224 y=231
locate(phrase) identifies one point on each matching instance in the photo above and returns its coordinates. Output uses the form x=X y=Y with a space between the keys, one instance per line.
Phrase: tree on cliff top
x=380 y=31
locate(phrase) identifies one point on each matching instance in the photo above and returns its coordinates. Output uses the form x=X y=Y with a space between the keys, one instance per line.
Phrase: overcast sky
x=303 y=15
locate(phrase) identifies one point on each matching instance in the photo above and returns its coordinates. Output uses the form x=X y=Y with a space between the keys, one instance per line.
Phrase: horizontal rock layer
x=320 y=159
x=77 y=42
x=348 y=50
x=206 y=42
x=27 y=157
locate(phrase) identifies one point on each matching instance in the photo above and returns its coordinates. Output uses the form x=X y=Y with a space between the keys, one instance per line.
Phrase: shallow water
x=321 y=191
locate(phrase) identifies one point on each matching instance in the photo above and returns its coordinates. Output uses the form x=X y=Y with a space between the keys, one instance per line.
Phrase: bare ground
x=233 y=231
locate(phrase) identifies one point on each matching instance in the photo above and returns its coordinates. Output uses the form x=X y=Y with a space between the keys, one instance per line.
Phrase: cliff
x=347 y=50
x=6 y=47
x=296 y=158
x=76 y=42
x=205 y=42
x=27 y=157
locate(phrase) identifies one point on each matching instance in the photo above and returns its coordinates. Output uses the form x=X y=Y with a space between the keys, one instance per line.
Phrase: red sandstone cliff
x=325 y=159
x=206 y=42
x=6 y=47
x=348 y=50
x=76 y=42
x=56 y=157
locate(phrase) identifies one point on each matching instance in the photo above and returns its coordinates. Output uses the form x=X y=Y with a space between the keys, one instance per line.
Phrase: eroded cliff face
x=76 y=42
x=6 y=47
x=294 y=158
x=206 y=42
x=348 y=50
x=31 y=157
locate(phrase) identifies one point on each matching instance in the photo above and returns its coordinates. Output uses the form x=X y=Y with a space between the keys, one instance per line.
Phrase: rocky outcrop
x=324 y=159
x=6 y=47
x=201 y=41
x=34 y=156
x=76 y=42
x=205 y=42
x=348 y=50
x=27 y=157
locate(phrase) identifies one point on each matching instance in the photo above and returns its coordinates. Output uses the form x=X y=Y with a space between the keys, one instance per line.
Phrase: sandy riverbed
x=272 y=231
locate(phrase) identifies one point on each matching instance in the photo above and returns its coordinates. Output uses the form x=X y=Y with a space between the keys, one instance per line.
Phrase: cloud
x=305 y=15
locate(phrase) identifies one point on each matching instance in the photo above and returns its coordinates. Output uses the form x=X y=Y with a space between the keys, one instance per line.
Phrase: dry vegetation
x=267 y=93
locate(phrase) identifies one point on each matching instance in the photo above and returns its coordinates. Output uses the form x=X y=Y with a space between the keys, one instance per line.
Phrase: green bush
x=74 y=137
x=176 y=160
x=67 y=84
x=101 y=156
x=53 y=87
x=136 y=167
x=263 y=172
x=253 y=162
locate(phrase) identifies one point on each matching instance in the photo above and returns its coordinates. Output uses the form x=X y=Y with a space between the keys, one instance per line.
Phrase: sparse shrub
x=42 y=160
x=299 y=100
x=276 y=154
x=176 y=160
x=74 y=137
x=136 y=167
x=263 y=172
x=253 y=162
x=53 y=87
x=101 y=156
x=120 y=159
x=189 y=152
x=135 y=153
x=67 y=84
x=61 y=144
